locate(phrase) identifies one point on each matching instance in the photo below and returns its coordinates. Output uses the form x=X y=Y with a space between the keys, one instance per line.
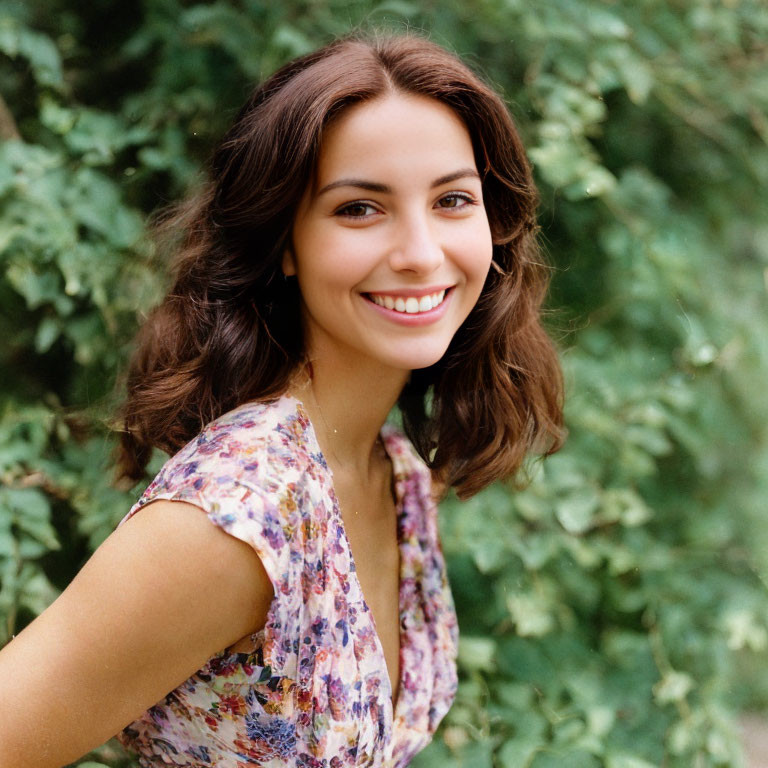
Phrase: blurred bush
x=612 y=614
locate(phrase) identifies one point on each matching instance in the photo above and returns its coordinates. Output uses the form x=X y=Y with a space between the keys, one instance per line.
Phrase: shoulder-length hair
x=229 y=329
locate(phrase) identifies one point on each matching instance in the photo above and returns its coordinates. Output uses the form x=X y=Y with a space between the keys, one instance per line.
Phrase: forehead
x=394 y=135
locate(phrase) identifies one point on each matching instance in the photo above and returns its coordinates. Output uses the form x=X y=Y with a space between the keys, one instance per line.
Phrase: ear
x=288 y=263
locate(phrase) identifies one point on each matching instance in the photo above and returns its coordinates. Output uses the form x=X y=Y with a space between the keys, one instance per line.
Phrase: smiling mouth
x=412 y=305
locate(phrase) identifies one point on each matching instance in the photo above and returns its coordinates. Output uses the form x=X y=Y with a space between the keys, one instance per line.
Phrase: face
x=391 y=244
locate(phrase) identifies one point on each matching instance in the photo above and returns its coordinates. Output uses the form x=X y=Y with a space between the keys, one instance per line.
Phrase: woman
x=366 y=240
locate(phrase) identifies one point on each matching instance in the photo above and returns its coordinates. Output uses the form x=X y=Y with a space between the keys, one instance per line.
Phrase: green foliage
x=614 y=612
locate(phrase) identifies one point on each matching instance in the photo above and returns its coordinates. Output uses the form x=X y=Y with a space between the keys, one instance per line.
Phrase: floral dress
x=314 y=692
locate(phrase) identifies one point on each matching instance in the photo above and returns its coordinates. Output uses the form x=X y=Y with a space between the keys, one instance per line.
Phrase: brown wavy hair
x=229 y=329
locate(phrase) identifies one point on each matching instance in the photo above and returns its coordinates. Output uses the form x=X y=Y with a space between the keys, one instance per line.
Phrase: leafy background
x=614 y=613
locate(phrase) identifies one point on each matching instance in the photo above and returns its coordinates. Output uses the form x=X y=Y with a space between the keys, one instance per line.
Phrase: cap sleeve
x=234 y=477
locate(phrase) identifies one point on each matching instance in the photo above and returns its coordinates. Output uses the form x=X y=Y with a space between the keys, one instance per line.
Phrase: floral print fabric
x=314 y=691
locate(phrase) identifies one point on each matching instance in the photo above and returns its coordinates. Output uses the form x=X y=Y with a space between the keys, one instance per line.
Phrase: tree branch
x=8 y=127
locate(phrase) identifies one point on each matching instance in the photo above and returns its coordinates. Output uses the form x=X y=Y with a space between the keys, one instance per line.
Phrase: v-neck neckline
x=399 y=491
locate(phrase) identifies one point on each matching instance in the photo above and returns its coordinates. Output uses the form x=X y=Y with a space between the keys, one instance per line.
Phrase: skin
x=349 y=240
x=168 y=589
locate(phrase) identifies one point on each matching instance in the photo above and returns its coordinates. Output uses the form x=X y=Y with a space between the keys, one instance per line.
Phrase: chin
x=421 y=359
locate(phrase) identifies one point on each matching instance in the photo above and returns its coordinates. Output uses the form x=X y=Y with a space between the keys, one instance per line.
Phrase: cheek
x=339 y=262
x=328 y=276
x=474 y=251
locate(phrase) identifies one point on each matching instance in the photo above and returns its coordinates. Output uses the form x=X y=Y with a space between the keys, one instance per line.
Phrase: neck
x=347 y=406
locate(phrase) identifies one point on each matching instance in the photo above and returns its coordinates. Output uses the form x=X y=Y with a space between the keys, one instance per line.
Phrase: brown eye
x=356 y=210
x=455 y=201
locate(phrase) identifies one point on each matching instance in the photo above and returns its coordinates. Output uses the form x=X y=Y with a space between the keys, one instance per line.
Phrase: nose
x=417 y=246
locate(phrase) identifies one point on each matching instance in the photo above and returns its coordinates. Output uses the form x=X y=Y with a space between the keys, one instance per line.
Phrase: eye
x=455 y=200
x=357 y=210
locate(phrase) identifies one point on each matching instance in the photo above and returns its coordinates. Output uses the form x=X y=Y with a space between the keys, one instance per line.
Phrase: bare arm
x=160 y=596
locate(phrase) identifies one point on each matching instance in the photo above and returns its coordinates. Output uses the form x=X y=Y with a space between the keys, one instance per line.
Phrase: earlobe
x=288 y=266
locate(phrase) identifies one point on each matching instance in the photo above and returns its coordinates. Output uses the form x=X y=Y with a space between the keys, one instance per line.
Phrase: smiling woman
x=278 y=594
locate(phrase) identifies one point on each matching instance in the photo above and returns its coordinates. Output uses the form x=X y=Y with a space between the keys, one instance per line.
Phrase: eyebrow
x=373 y=186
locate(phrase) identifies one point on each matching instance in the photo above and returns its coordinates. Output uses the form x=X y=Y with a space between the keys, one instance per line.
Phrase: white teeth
x=411 y=305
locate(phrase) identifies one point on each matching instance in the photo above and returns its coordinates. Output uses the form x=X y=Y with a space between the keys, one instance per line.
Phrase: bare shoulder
x=178 y=535
x=157 y=599
x=171 y=549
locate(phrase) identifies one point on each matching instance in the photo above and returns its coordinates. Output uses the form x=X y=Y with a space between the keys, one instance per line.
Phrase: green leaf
x=626 y=760
x=531 y=615
x=91 y=764
x=673 y=686
x=573 y=758
x=38 y=49
x=519 y=752
x=576 y=511
x=47 y=333
x=477 y=653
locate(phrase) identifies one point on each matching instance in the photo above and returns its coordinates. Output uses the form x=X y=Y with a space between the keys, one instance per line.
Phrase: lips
x=413 y=318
